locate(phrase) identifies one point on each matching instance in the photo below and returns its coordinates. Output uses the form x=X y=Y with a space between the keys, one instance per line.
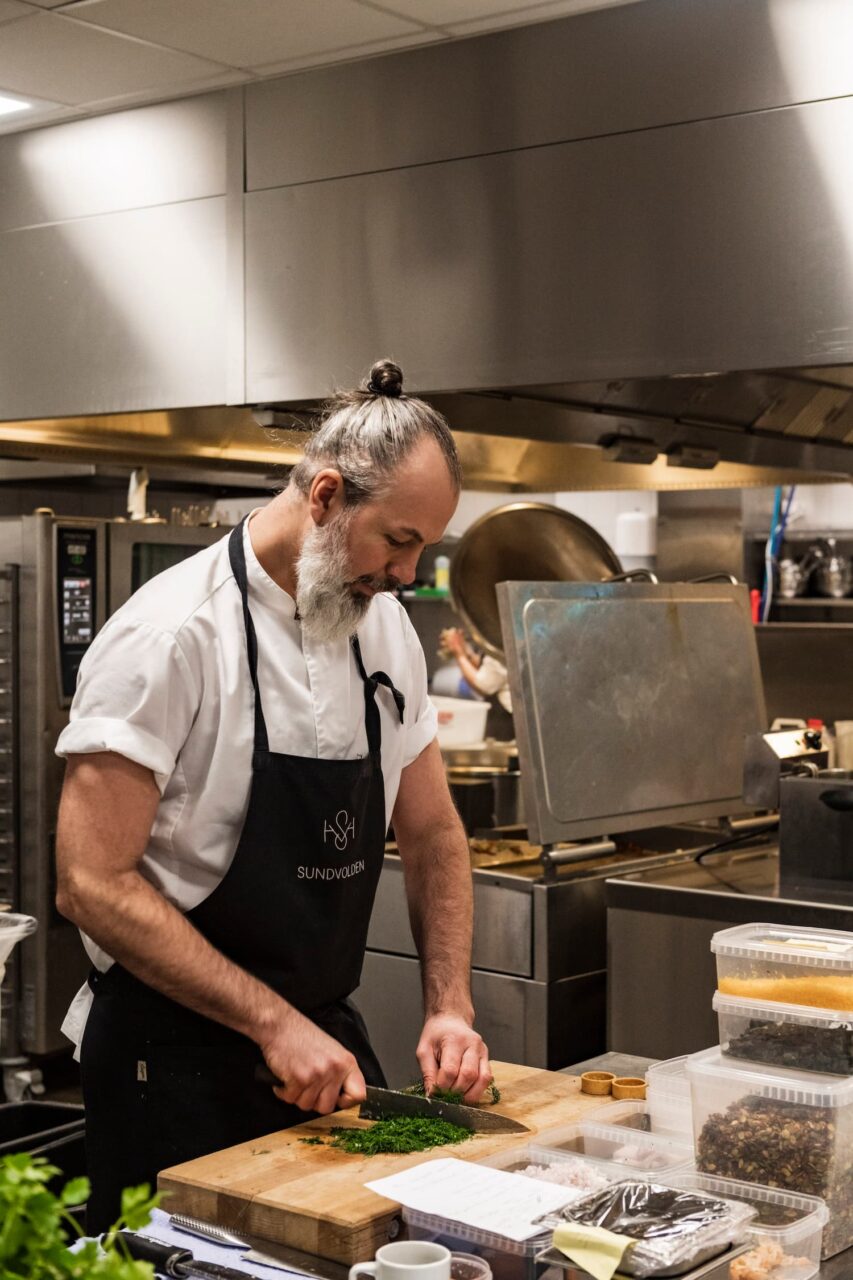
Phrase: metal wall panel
x=726 y=244
x=118 y=313
x=131 y=159
x=635 y=67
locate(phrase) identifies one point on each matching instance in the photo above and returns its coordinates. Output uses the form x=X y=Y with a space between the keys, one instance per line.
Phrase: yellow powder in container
x=822 y=991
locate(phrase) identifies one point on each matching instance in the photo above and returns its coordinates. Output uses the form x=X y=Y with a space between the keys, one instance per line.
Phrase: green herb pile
x=36 y=1227
x=399 y=1134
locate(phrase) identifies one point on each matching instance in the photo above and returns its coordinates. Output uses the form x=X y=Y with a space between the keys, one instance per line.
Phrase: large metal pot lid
x=521 y=542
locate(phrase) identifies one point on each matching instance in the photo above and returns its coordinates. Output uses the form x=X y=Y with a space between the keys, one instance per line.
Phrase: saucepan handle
x=840 y=801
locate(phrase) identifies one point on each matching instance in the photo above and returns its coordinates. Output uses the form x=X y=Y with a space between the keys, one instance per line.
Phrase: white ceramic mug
x=407 y=1260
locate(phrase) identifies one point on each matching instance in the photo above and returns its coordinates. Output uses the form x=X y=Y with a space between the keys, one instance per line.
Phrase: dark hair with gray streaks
x=366 y=433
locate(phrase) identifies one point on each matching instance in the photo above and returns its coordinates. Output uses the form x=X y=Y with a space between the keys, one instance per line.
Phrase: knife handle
x=263 y=1075
x=166 y=1258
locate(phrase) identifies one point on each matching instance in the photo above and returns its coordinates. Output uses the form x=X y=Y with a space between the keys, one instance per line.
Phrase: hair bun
x=386 y=379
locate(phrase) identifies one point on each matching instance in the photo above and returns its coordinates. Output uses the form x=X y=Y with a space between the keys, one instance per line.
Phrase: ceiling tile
x=522 y=16
x=444 y=12
x=53 y=57
x=10 y=9
x=245 y=33
x=350 y=54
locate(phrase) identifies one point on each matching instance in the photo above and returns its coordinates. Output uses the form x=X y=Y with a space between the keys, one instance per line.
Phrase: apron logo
x=342 y=832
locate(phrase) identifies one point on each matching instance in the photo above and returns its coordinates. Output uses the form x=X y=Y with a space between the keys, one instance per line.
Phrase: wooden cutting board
x=313 y=1198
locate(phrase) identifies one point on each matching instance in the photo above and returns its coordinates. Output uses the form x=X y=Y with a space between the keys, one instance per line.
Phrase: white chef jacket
x=166 y=683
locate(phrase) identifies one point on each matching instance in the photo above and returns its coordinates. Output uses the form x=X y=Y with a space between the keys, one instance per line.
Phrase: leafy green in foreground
x=36 y=1226
x=399 y=1134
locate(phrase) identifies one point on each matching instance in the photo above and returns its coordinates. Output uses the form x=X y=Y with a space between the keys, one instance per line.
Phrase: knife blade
x=168 y=1260
x=381 y=1103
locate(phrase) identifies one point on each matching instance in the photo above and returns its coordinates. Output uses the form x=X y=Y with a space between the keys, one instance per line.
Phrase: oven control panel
x=76 y=578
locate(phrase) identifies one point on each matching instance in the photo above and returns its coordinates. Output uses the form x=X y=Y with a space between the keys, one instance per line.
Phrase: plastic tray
x=640 y=1117
x=812 y=967
x=786 y=1035
x=794 y=1222
x=605 y=1146
x=785 y=1129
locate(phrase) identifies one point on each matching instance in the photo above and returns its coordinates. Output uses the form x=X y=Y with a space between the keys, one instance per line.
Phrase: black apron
x=163 y=1084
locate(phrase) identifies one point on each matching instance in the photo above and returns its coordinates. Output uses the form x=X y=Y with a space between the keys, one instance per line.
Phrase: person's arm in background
x=467 y=661
x=437 y=867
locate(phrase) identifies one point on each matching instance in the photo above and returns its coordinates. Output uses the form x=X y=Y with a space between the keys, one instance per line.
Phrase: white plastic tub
x=793 y=1222
x=786 y=1035
x=811 y=967
x=461 y=721
x=789 y=1130
x=593 y=1175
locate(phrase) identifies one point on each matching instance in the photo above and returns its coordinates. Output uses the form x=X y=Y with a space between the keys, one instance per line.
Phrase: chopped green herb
x=494 y=1092
x=399 y=1134
x=312 y=1142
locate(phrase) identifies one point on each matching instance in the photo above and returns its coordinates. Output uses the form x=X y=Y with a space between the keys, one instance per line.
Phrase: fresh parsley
x=37 y=1225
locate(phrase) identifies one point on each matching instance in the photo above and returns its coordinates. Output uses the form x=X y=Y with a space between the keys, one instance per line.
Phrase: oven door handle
x=841 y=800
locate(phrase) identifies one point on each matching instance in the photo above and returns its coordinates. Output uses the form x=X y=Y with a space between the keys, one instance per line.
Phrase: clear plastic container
x=640 y=1117
x=791 y=1222
x=626 y=1153
x=786 y=1035
x=812 y=967
x=508 y=1259
x=668 y=1098
x=575 y=1172
x=790 y=1130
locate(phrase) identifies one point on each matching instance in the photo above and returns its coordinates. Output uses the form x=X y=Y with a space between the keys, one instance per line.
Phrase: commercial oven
x=60 y=579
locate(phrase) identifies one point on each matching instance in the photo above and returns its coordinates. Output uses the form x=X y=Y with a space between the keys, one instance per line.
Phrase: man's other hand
x=453 y=1056
x=316 y=1072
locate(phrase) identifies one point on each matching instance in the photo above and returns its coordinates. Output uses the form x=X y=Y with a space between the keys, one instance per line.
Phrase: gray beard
x=328 y=608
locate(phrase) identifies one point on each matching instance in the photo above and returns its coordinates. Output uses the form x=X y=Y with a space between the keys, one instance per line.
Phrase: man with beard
x=243 y=731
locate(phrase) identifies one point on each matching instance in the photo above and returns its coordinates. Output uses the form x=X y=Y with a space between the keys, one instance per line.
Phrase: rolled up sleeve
x=136 y=695
x=420 y=720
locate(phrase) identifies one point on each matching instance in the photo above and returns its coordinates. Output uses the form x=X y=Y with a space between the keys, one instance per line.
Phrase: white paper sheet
x=489 y=1199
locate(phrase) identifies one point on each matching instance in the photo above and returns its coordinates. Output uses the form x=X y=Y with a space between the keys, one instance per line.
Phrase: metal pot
x=833 y=575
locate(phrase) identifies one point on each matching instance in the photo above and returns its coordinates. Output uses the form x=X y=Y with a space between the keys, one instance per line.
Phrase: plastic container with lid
x=623 y=1152
x=786 y=1035
x=786 y=964
x=791 y=1130
x=508 y=1259
x=794 y=1223
x=668 y=1098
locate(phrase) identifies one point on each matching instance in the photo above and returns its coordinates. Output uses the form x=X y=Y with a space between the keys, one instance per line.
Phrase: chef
x=244 y=729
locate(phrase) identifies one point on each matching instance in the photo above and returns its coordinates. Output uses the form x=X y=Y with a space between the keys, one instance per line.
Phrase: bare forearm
x=135 y=924
x=470 y=671
x=437 y=867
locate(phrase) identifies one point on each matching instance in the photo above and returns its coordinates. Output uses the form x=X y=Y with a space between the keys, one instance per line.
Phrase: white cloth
x=166 y=684
x=493 y=681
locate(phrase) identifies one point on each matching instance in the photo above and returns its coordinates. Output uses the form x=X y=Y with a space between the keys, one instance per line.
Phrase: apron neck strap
x=371 y=711
x=237 y=556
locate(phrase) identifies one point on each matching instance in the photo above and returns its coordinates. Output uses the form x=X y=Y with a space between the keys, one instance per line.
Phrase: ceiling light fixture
x=9 y=105
x=692 y=455
x=624 y=448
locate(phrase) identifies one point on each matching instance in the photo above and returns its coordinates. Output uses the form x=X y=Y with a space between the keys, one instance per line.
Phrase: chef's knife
x=382 y=1103
x=169 y=1260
